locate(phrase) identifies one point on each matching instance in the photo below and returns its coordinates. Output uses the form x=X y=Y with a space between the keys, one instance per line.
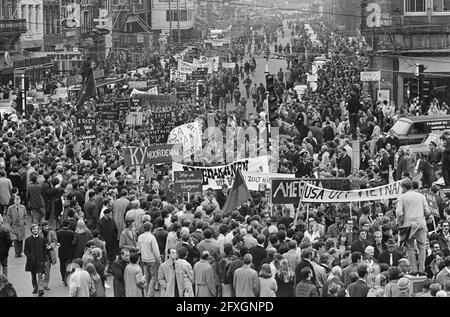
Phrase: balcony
x=13 y=26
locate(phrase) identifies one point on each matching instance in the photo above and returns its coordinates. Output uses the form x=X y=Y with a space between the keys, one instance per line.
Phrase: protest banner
x=183 y=92
x=189 y=135
x=107 y=110
x=155 y=154
x=432 y=202
x=290 y=191
x=208 y=64
x=157 y=100
x=177 y=76
x=185 y=67
x=123 y=105
x=85 y=128
x=254 y=179
x=227 y=65
x=162 y=125
x=215 y=177
x=188 y=181
x=199 y=74
x=138 y=84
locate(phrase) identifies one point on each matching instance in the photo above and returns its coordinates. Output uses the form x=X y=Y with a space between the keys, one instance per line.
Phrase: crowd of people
x=92 y=214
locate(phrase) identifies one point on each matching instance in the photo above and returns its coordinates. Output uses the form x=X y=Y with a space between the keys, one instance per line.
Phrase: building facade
x=175 y=17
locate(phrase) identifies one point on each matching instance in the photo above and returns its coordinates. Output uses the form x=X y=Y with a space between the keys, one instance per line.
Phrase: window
x=172 y=15
x=441 y=5
x=412 y=6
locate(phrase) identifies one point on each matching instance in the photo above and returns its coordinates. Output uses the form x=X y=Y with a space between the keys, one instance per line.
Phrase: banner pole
x=307 y=212
x=350 y=210
x=298 y=211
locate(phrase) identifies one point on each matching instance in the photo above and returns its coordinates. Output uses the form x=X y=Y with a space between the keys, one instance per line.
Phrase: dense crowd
x=98 y=218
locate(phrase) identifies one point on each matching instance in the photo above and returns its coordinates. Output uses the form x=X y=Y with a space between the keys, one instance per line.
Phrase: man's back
x=358 y=289
x=413 y=207
x=246 y=282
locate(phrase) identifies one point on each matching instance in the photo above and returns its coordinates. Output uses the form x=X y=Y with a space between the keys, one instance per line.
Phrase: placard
x=107 y=110
x=162 y=125
x=188 y=181
x=228 y=65
x=123 y=105
x=138 y=84
x=199 y=74
x=86 y=128
x=431 y=200
x=157 y=100
x=155 y=154
x=371 y=76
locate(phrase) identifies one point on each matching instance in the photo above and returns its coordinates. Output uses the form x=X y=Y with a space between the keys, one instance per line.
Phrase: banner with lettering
x=107 y=110
x=432 y=202
x=185 y=67
x=162 y=125
x=228 y=65
x=155 y=154
x=189 y=135
x=123 y=105
x=290 y=191
x=177 y=76
x=215 y=177
x=255 y=179
x=86 y=128
x=188 y=181
x=157 y=101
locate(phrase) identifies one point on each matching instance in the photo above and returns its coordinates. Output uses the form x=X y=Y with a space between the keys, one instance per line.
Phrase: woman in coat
x=99 y=288
x=285 y=280
x=17 y=216
x=185 y=274
x=81 y=237
x=134 y=278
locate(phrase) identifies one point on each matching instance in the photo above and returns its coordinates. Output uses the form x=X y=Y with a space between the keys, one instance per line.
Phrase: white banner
x=189 y=135
x=185 y=67
x=314 y=194
x=371 y=76
x=254 y=179
x=228 y=65
x=215 y=177
x=204 y=64
x=151 y=91
x=175 y=75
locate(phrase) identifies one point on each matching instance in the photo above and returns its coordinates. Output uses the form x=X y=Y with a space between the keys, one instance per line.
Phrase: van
x=413 y=130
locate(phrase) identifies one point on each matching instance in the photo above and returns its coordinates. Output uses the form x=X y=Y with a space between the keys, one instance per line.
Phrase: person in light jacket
x=204 y=277
x=16 y=216
x=185 y=274
x=170 y=286
x=245 y=280
x=5 y=192
x=134 y=278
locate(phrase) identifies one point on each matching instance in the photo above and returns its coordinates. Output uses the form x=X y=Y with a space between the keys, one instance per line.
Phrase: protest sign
x=183 y=92
x=227 y=65
x=188 y=181
x=199 y=74
x=177 y=76
x=215 y=177
x=107 y=110
x=432 y=202
x=86 y=128
x=138 y=84
x=123 y=105
x=162 y=125
x=189 y=135
x=157 y=100
x=290 y=191
x=155 y=154
x=254 y=179
x=185 y=67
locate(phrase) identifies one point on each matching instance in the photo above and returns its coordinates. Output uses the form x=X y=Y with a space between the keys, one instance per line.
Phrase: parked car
x=424 y=147
x=413 y=130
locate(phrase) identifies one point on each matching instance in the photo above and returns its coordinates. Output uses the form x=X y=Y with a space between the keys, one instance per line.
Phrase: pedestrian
x=5 y=192
x=96 y=279
x=17 y=219
x=119 y=209
x=411 y=210
x=306 y=288
x=35 y=199
x=268 y=285
x=81 y=237
x=65 y=237
x=51 y=245
x=80 y=282
x=134 y=279
x=285 y=280
x=5 y=244
x=35 y=250
x=117 y=270
x=185 y=274
x=360 y=287
x=150 y=258
x=107 y=230
x=204 y=277
x=167 y=276
x=245 y=279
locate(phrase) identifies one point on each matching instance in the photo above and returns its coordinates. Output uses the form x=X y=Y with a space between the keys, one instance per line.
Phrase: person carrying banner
x=412 y=209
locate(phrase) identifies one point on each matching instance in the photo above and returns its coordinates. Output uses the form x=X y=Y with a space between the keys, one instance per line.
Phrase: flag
x=404 y=234
x=239 y=193
x=89 y=88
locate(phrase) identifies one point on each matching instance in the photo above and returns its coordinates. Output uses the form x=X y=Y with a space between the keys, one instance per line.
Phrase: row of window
x=418 y=6
x=172 y=15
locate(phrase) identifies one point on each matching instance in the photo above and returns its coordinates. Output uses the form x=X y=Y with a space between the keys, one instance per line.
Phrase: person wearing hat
x=390 y=255
x=403 y=285
x=412 y=209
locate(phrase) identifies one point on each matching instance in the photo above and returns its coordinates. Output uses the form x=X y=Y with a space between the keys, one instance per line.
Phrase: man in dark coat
x=258 y=252
x=65 y=250
x=5 y=244
x=353 y=109
x=118 y=269
x=362 y=243
x=35 y=250
x=107 y=229
x=345 y=162
x=360 y=288
x=307 y=257
x=91 y=211
x=390 y=256
x=35 y=199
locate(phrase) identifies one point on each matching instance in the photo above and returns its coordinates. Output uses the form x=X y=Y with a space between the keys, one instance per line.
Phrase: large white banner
x=151 y=91
x=185 y=67
x=189 y=135
x=254 y=179
x=215 y=177
x=314 y=194
x=228 y=65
